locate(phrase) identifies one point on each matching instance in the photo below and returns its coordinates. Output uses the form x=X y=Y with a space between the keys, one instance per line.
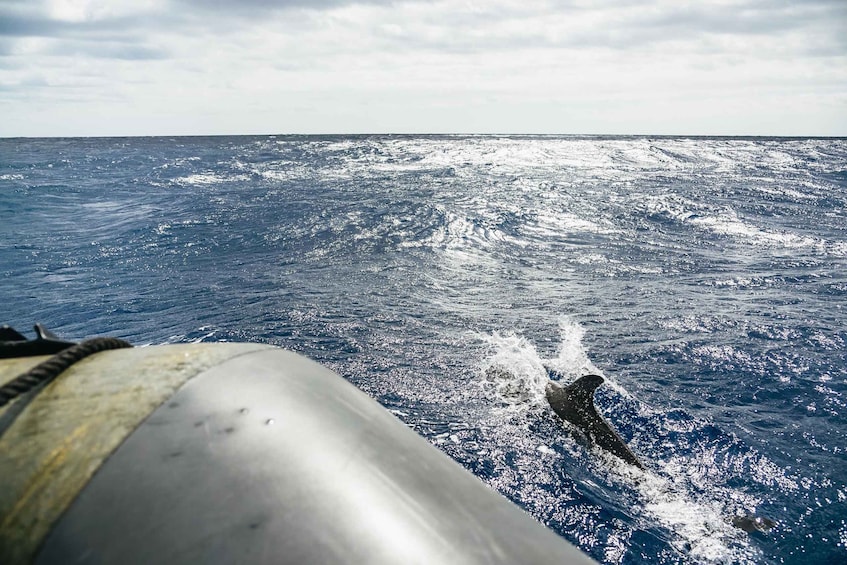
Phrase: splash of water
x=517 y=374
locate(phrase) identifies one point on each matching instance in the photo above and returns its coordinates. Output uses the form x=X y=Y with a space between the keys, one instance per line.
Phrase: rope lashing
x=48 y=370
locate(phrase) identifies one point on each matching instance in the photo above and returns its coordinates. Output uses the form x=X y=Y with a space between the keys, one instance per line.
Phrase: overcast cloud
x=148 y=67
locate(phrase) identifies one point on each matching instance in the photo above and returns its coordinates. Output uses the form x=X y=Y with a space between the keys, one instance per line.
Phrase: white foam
x=728 y=223
x=521 y=384
x=470 y=234
x=548 y=223
x=202 y=179
x=571 y=359
x=680 y=497
x=672 y=206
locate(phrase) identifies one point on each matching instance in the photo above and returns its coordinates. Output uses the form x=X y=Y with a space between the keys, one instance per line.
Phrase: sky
x=201 y=67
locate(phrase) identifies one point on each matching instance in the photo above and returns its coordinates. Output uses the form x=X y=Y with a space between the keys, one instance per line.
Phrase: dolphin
x=575 y=403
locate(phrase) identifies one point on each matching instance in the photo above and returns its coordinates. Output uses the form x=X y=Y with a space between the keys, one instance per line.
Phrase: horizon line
x=442 y=134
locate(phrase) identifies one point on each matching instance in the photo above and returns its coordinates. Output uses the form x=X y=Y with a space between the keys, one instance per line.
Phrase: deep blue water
x=706 y=278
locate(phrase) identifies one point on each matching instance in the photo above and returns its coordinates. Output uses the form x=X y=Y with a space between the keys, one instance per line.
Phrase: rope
x=48 y=370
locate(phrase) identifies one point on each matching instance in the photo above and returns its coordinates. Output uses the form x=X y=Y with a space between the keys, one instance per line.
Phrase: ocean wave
x=208 y=178
x=728 y=223
x=704 y=277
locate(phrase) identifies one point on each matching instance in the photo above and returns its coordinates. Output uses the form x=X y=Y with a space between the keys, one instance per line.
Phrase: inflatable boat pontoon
x=236 y=453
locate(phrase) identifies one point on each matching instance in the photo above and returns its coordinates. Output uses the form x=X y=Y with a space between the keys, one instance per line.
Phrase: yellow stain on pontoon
x=67 y=431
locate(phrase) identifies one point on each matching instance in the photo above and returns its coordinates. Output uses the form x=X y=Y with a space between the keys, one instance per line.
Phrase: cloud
x=622 y=25
x=406 y=61
x=34 y=20
x=6 y=47
x=125 y=51
x=49 y=18
x=752 y=17
x=23 y=25
x=261 y=8
x=30 y=31
x=457 y=27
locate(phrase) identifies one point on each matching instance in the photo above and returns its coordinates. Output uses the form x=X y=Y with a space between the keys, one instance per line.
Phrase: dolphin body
x=575 y=403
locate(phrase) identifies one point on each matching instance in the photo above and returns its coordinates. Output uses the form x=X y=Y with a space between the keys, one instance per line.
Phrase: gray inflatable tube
x=263 y=456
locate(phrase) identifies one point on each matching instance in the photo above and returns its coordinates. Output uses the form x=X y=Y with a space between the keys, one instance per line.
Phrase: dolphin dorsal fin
x=581 y=391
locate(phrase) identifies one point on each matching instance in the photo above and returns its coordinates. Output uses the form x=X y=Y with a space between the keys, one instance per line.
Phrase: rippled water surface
x=706 y=278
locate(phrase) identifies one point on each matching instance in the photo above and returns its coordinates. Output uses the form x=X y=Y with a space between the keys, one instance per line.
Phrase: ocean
x=704 y=278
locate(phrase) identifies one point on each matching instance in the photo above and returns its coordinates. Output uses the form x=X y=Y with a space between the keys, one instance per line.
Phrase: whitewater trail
x=697 y=520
